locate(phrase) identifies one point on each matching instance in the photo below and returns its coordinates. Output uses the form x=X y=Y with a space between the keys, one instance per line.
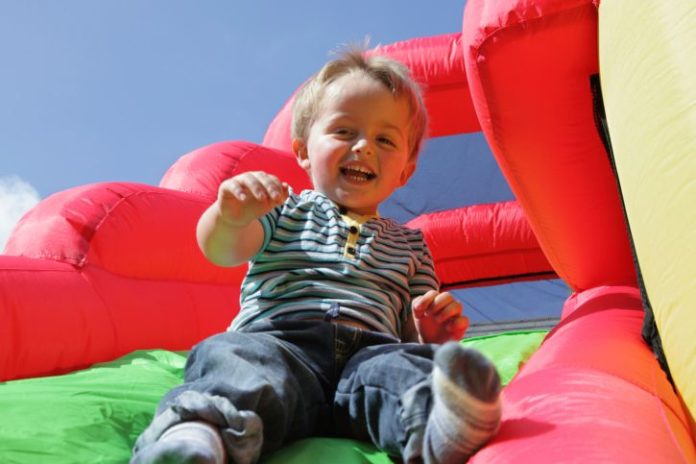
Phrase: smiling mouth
x=357 y=174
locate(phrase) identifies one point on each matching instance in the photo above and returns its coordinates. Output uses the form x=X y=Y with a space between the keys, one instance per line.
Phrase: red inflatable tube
x=201 y=171
x=483 y=245
x=592 y=393
x=102 y=270
x=529 y=66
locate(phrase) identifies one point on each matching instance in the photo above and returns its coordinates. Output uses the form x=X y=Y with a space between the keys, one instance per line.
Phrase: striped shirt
x=315 y=259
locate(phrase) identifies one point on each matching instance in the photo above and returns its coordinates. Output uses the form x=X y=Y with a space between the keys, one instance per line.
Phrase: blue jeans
x=316 y=378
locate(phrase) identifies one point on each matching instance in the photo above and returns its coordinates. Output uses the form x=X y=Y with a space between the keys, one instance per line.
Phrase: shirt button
x=353 y=230
x=351 y=250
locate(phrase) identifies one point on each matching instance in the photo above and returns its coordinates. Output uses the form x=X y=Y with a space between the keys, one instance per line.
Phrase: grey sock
x=192 y=442
x=241 y=432
x=466 y=405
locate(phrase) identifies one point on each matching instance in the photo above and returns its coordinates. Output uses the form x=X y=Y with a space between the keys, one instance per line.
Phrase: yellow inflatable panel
x=647 y=52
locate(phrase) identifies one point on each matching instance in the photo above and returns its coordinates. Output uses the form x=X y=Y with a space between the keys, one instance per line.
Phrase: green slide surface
x=95 y=415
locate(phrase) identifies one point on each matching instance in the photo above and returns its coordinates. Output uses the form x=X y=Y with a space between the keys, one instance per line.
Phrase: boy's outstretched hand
x=228 y=232
x=248 y=196
x=438 y=317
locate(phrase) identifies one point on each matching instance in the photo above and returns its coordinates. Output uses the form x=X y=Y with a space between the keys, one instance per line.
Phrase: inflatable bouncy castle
x=589 y=111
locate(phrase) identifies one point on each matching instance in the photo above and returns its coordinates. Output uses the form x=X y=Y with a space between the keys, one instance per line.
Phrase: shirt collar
x=359 y=218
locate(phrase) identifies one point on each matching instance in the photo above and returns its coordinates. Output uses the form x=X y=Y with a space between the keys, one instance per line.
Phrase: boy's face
x=357 y=151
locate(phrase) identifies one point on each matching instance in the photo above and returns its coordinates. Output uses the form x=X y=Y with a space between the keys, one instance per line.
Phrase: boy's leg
x=466 y=407
x=388 y=395
x=384 y=396
x=232 y=380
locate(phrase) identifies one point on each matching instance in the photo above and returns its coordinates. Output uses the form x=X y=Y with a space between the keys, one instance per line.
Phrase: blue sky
x=116 y=90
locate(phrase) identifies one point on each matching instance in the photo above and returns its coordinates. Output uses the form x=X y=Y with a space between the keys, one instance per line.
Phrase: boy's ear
x=407 y=172
x=299 y=147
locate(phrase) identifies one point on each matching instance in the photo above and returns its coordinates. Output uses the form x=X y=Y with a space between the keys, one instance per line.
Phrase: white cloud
x=16 y=198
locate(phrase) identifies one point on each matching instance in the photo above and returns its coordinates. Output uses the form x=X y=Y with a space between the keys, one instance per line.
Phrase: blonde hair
x=392 y=74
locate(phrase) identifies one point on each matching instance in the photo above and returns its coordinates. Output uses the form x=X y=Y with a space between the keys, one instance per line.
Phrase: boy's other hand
x=248 y=196
x=438 y=317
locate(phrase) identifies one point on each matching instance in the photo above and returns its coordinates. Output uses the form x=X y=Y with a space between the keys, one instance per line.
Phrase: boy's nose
x=363 y=146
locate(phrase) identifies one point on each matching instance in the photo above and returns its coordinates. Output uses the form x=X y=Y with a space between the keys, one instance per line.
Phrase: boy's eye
x=386 y=141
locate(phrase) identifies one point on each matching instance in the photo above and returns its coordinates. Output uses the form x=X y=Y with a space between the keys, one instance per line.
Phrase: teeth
x=357 y=172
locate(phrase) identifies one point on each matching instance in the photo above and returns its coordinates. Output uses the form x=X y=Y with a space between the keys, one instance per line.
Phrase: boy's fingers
x=441 y=302
x=423 y=302
x=255 y=184
x=450 y=311
x=460 y=325
x=457 y=328
x=276 y=190
x=443 y=299
x=232 y=188
x=271 y=184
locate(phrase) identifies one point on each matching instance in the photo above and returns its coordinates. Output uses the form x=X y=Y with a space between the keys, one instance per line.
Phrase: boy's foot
x=466 y=405
x=195 y=427
x=185 y=443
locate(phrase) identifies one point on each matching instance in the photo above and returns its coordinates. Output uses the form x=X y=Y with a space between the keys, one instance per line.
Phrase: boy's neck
x=344 y=211
x=356 y=216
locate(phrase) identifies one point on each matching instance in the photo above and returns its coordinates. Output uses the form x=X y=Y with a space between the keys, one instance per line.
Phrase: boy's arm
x=227 y=245
x=229 y=232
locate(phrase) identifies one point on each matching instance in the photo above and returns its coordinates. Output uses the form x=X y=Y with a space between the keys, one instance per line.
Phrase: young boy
x=340 y=310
